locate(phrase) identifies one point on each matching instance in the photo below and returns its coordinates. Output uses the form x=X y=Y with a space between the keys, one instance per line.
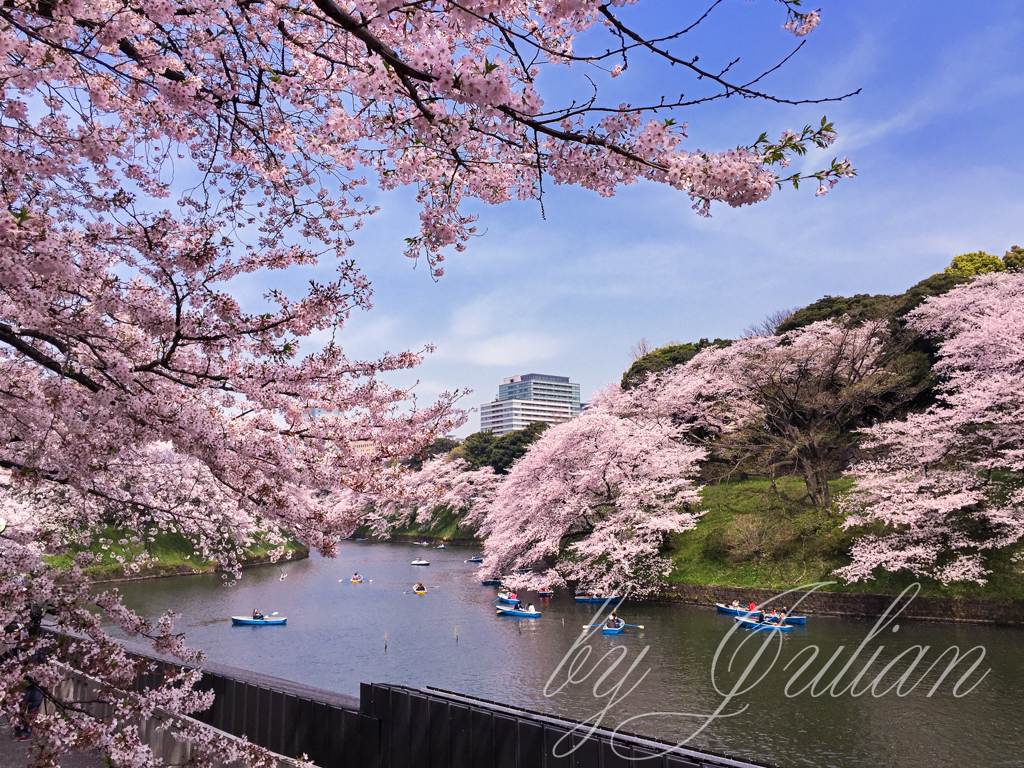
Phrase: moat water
x=451 y=638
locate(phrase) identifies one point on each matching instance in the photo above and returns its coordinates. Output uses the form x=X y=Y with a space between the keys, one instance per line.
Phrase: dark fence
x=288 y=718
x=433 y=728
x=391 y=726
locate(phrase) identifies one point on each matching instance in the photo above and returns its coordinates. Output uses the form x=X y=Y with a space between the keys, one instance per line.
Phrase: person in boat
x=774 y=614
x=257 y=614
x=512 y=596
x=530 y=608
x=356 y=576
x=735 y=603
x=419 y=587
x=782 y=618
x=613 y=621
x=752 y=607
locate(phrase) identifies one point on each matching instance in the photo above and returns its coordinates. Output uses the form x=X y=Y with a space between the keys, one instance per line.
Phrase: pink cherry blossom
x=945 y=482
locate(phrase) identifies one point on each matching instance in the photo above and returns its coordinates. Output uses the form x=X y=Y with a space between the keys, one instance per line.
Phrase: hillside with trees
x=870 y=439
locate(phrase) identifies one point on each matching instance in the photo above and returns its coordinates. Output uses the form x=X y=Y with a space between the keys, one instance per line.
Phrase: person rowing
x=257 y=614
x=531 y=609
x=735 y=603
x=613 y=622
x=419 y=587
x=356 y=576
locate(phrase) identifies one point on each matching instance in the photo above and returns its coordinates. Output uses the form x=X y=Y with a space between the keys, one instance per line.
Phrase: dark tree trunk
x=815 y=476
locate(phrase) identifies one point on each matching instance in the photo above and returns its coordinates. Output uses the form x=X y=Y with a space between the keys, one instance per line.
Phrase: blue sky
x=935 y=136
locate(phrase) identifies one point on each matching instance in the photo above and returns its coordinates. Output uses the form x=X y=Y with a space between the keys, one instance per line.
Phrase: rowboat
x=491 y=582
x=440 y=546
x=545 y=593
x=356 y=581
x=733 y=611
x=506 y=597
x=616 y=630
x=747 y=613
x=590 y=599
x=475 y=559
x=422 y=543
x=249 y=621
x=520 y=614
x=759 y=627
x=362 y=539
x=420 y=561
x=788 y=620
x=420 y=591
x=524 y=570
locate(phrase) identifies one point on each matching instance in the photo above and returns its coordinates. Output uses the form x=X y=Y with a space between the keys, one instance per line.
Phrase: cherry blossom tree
x=948 y=484
x=790 y=401
x=592 y=502
x=153 y=154
x=441 y=484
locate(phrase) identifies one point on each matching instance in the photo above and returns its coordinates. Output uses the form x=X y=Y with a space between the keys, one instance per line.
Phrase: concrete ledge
x=956 y=609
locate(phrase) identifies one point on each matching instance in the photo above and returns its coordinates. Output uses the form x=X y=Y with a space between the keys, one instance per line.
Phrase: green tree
x=476 y=449
x=484 y=449
x=513 y=445
x=441 y=446
x=975 y=263
x=1014 y=259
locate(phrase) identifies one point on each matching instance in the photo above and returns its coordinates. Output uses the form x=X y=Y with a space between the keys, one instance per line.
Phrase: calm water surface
x=335 y=634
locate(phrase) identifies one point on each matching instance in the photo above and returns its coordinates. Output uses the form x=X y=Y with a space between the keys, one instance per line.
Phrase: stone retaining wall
x=962 y=609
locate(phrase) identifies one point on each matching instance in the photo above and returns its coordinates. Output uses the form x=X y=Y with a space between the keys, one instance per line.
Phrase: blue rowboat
x=789 y=619
x=758 y=627
x=589 y=599
x=440 y=546
x=505 y=597
x=753 y=614
x=491 y=583
x=362 y=539
x=520 y=614
x=524 y=570
x=249 y=621
x=545 y=593
x=735 y=611
x=475 y=559
x=616 y=630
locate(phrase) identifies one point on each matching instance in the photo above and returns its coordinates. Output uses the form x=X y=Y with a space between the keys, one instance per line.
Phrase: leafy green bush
x=975 y=263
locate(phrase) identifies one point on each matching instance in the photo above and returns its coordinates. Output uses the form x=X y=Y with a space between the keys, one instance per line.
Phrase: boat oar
x=638 y=626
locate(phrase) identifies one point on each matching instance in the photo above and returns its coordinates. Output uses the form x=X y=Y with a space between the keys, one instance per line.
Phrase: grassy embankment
x=446 y=525
x=751 y=536
x=173 y=554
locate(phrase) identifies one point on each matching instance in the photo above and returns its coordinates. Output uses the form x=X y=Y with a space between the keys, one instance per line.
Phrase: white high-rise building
x=529 y=398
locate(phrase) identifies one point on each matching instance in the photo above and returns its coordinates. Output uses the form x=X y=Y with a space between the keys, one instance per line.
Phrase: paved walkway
x=14 y=753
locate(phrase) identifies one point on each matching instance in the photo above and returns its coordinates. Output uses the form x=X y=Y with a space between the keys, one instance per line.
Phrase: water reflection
x=335 y=639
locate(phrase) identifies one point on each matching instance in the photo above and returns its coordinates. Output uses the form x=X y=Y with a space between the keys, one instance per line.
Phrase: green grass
x=753 y=536
x=445 y=524
x=172 y=554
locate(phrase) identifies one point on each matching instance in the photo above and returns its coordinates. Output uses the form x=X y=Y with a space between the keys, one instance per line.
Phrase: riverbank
x=169 y=554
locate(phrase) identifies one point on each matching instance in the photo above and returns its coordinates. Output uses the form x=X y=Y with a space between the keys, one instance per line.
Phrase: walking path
x=14 y=753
